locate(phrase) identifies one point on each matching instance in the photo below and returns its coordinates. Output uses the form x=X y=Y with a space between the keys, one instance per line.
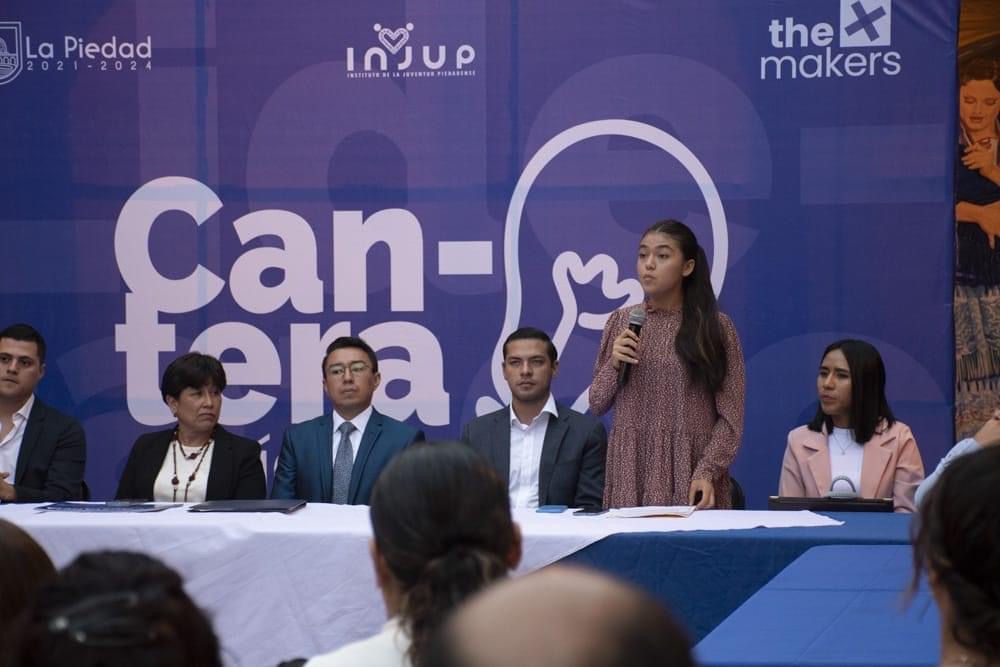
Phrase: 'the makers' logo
x=819 y=51
x=865 y=22
x=11 y=61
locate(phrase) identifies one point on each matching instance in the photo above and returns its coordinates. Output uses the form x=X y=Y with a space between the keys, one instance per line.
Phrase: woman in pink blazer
x=854 y=442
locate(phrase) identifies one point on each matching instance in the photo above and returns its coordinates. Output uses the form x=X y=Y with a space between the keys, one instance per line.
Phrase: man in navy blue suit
x=337 y=458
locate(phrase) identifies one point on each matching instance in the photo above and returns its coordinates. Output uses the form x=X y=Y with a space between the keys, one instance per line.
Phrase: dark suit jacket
x=52 y=457
x=305 y=465
x=573 y=454
x=236 y=472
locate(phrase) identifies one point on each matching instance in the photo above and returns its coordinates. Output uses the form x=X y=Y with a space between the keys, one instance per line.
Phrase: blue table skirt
x=835 y=606
x=703 y=576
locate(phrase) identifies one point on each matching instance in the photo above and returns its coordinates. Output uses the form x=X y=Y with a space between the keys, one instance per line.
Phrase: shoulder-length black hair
x=193 y=370
x=442 y=523
x=700 y=343
x=869 y=406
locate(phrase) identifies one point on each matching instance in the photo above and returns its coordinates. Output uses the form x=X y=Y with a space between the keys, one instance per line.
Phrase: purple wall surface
x=253 y=179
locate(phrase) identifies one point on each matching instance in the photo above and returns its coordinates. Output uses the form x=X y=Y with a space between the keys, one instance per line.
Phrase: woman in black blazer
x=196 y=460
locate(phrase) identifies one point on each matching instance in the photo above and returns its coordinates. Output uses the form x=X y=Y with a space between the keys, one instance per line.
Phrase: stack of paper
x=652 y=510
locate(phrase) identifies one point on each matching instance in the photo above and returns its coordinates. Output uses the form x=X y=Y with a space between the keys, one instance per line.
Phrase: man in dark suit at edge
x=548 y=453
x=42 y=451
x=337 y=457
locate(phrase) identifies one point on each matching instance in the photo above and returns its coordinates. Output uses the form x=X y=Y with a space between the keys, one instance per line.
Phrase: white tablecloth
x=280 y=586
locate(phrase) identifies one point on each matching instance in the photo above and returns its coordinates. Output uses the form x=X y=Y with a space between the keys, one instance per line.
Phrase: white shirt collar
x=25 y=410
x=548 y=408
x=360 y=421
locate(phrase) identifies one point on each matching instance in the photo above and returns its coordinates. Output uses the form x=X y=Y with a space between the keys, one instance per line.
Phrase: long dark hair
x=957 y=538
x=442 y=523
x=869 y=406
x=699 y=343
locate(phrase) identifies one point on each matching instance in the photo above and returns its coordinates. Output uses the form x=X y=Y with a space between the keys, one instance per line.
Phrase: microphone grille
x=637 y=316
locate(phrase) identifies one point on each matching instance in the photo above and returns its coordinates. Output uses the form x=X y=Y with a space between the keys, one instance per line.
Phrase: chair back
x=736 y=494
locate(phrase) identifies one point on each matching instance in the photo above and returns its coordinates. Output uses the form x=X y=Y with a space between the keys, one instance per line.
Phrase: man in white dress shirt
x=42 y=451
x=548 y=453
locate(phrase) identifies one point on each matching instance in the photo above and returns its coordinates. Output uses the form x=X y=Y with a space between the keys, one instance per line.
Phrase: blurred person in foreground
x=114 y=609
x=957 y=545
x=442 y=531
x=24 y=566
x=561 y=617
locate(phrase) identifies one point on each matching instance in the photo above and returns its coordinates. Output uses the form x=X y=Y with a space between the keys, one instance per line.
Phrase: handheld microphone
x=636 y=318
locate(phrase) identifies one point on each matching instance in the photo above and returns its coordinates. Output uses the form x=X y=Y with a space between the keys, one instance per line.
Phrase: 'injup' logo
x=393 y=40
x=396 y=56
x=11 y=61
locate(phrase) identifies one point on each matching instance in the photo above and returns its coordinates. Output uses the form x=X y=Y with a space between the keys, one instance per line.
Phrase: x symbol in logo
x=865 y=20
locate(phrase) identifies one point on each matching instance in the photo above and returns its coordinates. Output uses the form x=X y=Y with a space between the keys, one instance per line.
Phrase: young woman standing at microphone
x=679 y=413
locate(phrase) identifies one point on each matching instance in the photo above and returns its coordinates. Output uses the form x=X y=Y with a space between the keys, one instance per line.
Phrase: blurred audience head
x=112 y=608
x=561 y=617
x=957 y=544
x=442 y=531
x=24 y=566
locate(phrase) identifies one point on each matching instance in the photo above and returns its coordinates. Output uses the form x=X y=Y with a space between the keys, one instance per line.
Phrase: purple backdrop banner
x=253 y=179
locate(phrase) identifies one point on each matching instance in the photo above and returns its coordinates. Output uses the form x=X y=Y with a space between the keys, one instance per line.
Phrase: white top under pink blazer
x=891 y=467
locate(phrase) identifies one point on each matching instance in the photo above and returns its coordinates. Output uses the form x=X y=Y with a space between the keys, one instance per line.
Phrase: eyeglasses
x=356 y=368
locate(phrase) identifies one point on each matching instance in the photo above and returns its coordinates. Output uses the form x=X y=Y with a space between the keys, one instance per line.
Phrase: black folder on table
x=272 y=505
x=830 y=504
